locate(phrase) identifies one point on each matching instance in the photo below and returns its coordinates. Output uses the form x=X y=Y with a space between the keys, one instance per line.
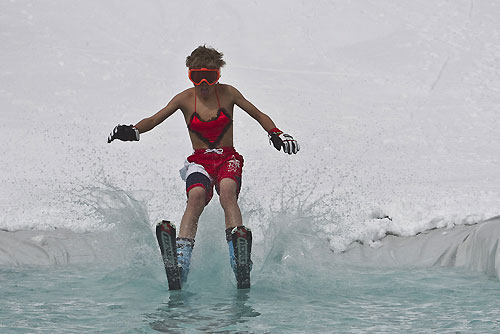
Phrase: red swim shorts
x=207 y=167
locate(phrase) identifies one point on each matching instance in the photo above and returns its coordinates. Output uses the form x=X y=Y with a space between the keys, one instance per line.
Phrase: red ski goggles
x=198 y=75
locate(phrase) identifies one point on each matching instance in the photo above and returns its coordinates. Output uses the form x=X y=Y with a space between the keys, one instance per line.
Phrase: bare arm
x=150 y=122
x=265 y=121
x=276 y=136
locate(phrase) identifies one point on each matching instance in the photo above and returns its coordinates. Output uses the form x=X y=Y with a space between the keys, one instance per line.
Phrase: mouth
x=204 y=90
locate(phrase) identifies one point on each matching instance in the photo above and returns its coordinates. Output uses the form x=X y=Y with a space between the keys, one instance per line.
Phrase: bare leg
x=239 y=248
x=195 y=205
x=229 y=202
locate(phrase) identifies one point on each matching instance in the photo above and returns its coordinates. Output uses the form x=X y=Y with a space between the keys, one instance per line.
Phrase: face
x=204 y=80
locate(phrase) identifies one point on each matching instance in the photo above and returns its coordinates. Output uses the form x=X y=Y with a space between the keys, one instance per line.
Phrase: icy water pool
x=283 y=299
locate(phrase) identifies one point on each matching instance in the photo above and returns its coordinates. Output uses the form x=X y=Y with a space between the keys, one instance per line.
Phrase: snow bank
x=45 y=248
x=474 y=247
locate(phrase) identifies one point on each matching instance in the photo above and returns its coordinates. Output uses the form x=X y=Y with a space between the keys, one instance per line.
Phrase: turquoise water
x=298 y=286
x=99 y=298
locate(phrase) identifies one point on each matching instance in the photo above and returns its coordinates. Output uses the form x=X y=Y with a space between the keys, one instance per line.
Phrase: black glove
x=124 y=132
x=280 y=139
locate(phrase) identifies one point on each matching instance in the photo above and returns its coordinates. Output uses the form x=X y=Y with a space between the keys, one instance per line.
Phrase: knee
x=228 y=198
x=197 y=197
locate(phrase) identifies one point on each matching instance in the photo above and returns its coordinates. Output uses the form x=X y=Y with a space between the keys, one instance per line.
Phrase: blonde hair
x=205 y=57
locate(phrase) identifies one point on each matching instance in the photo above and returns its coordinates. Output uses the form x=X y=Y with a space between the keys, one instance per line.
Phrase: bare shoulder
x=182 y=99
x=227 y=88
x=185 y=95
x=230 y=91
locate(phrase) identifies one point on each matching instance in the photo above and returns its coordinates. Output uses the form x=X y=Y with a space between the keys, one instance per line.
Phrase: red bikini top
x=211 y=131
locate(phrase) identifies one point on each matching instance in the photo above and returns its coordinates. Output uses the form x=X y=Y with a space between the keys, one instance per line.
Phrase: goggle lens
x=210 y=76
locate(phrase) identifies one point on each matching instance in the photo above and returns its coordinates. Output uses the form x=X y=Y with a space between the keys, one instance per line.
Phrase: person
x=208 y=109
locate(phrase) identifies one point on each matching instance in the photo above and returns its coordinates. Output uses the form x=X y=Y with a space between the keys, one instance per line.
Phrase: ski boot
x=239 y=240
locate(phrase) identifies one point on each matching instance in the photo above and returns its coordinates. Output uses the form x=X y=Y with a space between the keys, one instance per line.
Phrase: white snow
x=396 y=106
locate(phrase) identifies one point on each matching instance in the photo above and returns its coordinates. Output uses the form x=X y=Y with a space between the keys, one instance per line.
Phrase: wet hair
x=205 y=57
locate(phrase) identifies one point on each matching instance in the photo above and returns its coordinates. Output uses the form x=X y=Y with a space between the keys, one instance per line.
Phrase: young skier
x=208 y=111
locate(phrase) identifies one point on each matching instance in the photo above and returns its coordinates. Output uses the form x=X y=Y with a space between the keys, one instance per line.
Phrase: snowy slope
x=396 y=106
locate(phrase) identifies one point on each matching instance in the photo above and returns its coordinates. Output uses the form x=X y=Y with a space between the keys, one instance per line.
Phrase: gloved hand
x=280 y=139
x=124 y=132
